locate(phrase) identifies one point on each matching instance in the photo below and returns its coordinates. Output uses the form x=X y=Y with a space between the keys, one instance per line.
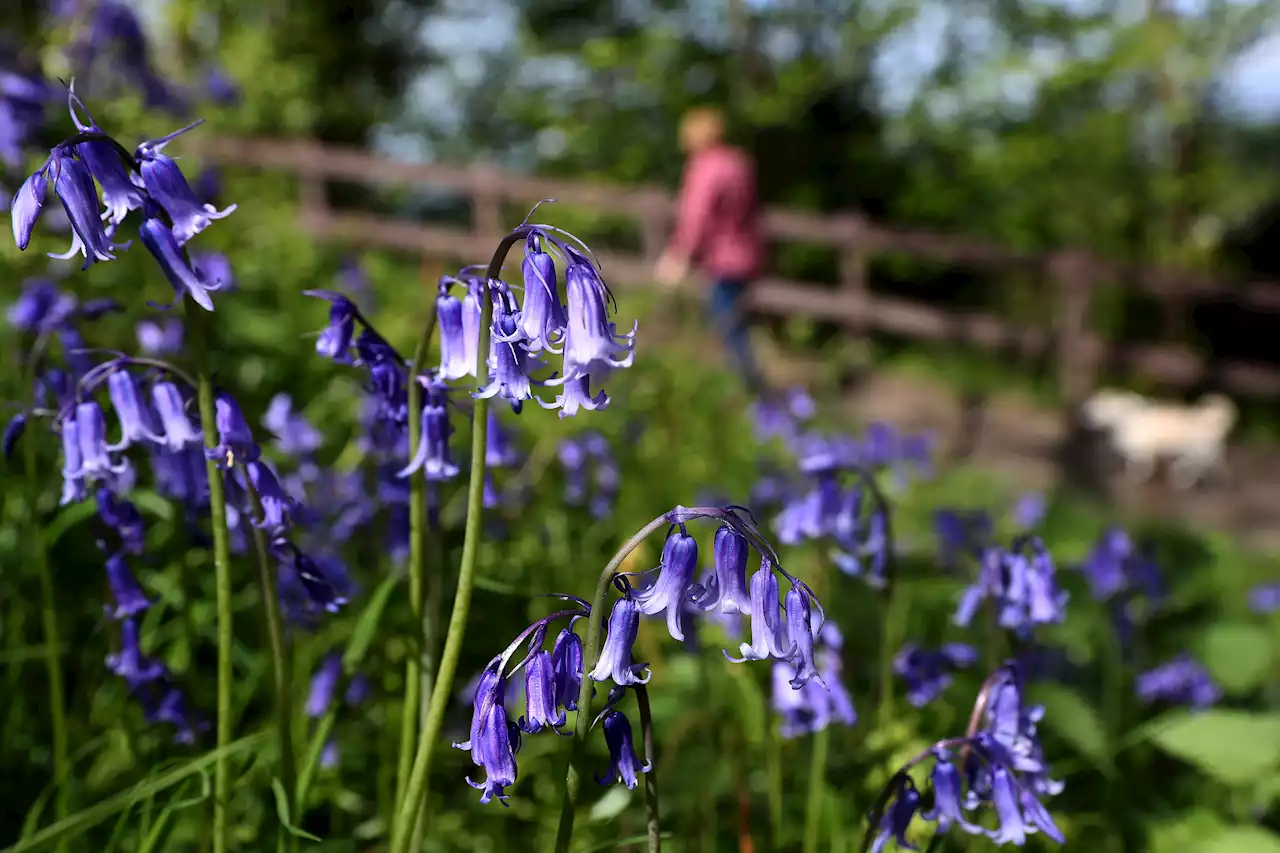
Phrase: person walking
x=717 y=231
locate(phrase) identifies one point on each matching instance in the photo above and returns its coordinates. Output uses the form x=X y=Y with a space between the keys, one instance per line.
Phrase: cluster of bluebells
x=1020 y=583
x=22 y=103
x=822 y=700
x=109 y=44
x=1181 y=681
x=929 y=672
x=1265 y=598
x=524 y=333
x=148 y=180
x=1125 y=577
x=998 y=765
x=833 y=496
x=590 y=472
x=324 y=687
x=784 y=631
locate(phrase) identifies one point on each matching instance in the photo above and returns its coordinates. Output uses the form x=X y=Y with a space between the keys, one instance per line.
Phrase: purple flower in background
x=1181 y=681
x=819 y=702
x=1116 y=565
x=295 y=435
x=929 y=673
x=1021 y=582
x=324 y=684
x=1265 y=598
x=123 y=517
x=129 y=598
x=130 y=663
x=961 y=532
x=162 y=337
x=591 y=473
x=1029 y=510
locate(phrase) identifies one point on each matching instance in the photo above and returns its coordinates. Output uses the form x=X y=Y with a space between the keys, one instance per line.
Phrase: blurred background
x=978 y=213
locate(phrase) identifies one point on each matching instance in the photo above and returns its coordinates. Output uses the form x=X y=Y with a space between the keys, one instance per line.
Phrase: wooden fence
x=1073 y=276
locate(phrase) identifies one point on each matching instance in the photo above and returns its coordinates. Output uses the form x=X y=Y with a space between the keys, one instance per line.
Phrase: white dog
x=1142 y=431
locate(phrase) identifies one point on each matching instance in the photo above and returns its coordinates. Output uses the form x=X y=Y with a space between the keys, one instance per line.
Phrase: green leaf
x=1074 y=720
x=1241 y=839
x=1238 y=655
x=1235 y=747
x=367 y=625
x=81 y=821
x=613 y=803
x=282 y=812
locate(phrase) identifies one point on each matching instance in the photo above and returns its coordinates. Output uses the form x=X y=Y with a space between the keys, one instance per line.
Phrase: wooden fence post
x=313 y=197
x=1074 y=278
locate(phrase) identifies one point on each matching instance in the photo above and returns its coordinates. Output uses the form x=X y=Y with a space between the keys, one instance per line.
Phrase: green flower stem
x=591 y=652
x=416 y=665
x=197 y=325
x=817 y=789
x=653 y=824
x=280 y=665
x=312 y=762
x=52 y=643
x=403 y=828
x=894 y=614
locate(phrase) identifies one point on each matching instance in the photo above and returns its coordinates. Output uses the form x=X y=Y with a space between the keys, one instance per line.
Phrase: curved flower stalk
x=147 y=180
x=997 y=767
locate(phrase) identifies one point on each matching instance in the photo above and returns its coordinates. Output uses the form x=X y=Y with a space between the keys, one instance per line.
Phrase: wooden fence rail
x=1073 y=276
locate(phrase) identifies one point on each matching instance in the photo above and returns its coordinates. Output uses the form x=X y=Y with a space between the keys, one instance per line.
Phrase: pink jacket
x=718 y=215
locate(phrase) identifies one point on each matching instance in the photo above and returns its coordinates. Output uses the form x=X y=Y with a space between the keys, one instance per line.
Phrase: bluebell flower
x=896 y=819
x=172 y=709
x=27 y=204
x=948 y=791
x=129 y=598
x=335 y=340
x=1029 y=510
x=95 y=455
x=358 y=690
x=454 y=362
x=509 y=362
x=1265 y=598
x=566 y=662
x=136 y=420
x=165 y=248
x=1116 y=566
x=235 y=438
x=432 y=455
x=166 y=184
x=929 y=673
x=540 y=694
x=74 y=186
x=294 y=433
x=623 y=763
x=277 y=506
x=179 y=433
x=961 y=532
x=13 y=431
x=726 y=589
x=861 y=538
x=73 y=488
x=320 y=590
x=500 y=450
x=819 y=702
x=122 y=516
x=1181 y=681
x=542 y=316
x=1010 y=736
x=575 y=394
x=40 y=307
x=160 y=337
x=119 y=193
x=768 y=638
x=1021 y=583
x=130 y=663
x=494 y=739
x=675 y=579
x=324 y=684
x=615 y=655
x=800 y=630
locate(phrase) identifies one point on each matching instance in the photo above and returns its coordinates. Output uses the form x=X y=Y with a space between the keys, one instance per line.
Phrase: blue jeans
x=726 y=314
